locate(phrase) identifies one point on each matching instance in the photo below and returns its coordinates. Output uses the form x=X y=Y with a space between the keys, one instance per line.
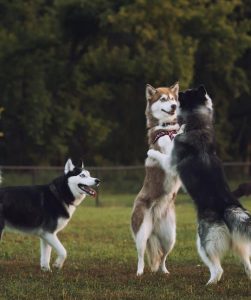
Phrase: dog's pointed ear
x=181 y=97
x=202 y=90
x=69 y=166
x=175 y=89
x=150 y=91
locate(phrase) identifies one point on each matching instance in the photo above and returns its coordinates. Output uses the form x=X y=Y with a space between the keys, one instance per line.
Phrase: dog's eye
x=163 y=99
x=82 y=175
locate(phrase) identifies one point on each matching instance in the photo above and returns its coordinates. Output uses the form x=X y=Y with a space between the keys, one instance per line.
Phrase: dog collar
x=159 y=134
x=55 y=192
x=165 y=124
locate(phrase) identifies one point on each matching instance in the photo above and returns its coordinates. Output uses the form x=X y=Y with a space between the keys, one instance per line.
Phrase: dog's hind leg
x=154 y=252
x=54 y=242
x=45 y=249
x=213 y=263
x=167 y=236
x=212 y=243
x=242 y=249
x=141 y=240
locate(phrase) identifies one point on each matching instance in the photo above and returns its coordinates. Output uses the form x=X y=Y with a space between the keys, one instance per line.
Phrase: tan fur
x=152 y=189
x=163 y=90
x=156 y=198
x=154 y=179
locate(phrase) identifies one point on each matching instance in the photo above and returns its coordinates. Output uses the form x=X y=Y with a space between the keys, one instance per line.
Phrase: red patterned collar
x=170 y=133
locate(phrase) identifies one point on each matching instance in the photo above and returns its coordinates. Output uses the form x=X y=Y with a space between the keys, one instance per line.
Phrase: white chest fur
x=166 y=144
x=62 y=222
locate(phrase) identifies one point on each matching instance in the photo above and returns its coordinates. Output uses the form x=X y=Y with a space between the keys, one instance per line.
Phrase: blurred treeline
x=73 y=74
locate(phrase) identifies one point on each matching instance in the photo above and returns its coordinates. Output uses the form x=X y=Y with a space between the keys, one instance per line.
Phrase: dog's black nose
x=173 y=106
x=97 y=181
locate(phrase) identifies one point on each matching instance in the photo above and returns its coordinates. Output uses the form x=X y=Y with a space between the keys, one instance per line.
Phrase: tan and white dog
x=153 y=221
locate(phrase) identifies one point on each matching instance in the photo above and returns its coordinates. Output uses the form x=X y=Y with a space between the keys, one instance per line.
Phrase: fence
x=117 y=183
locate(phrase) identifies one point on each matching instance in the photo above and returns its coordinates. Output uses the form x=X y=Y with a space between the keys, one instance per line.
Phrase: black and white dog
x=222 y=221
x=44 y=210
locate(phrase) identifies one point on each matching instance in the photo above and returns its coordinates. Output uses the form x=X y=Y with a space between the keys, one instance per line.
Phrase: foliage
x=73 y=74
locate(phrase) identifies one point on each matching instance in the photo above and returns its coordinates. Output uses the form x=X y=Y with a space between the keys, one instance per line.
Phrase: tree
x=1 y=110
x=73 y=74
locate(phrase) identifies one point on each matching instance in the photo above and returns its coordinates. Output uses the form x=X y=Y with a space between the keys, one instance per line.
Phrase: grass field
x=101 y=262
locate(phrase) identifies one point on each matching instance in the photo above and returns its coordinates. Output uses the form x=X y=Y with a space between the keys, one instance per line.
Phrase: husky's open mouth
x=88 y=190
x=171 y=112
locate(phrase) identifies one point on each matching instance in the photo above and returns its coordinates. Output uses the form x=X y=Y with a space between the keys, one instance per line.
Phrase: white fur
x=157 y=233
x=164 y=160
x=209 y=103
x=158 y=230
x=240 y=214
x=68 y=166
x=161 y=109
x=219 y=241
x=50 y=240
x=83 y=178
x=141 y=240
x=213 y=264
x=241 y=247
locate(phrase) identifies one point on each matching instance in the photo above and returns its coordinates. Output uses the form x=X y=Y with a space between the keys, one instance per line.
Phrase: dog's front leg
x=45 y=255
x=54 y=242
x=161 y=158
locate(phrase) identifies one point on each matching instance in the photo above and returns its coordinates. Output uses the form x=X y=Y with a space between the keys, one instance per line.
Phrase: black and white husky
x=44 y=210
x=223 y=223
x=153 y=221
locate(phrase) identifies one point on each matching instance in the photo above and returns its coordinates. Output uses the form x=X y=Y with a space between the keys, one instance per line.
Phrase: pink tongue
x=93 y=193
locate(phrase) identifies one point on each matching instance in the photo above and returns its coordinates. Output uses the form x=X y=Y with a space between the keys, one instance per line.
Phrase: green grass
x=101 y=262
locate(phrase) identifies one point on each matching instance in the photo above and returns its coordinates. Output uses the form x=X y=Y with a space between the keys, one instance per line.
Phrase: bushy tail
x=238 y=220
x=243 y=189
x=154 y=252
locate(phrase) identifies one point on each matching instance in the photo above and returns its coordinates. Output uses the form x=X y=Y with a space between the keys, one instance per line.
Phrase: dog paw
x=212 y=281
x=46 y=269
x=57 y=265
x=248 y=272
x=151 y=153
x=216 y=277
x=165 y=271
x=140 y=273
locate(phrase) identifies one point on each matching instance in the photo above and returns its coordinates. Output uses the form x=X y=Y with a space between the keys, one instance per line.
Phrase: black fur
x=198 y=165
x=31 y=207
x=222 y=222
